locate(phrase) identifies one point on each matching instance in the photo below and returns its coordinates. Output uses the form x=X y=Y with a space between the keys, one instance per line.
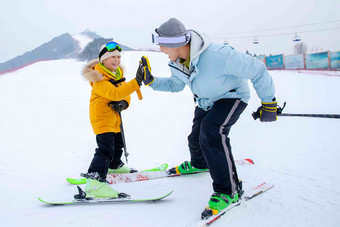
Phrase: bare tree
x=300 y=48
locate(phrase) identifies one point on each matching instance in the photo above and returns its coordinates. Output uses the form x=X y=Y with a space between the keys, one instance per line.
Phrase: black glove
x=268 y=111
x=119 y=106
x=140 y=74
x=148 y=78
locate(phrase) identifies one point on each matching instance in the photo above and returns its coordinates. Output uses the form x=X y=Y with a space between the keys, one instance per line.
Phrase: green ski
x=103 y=200
x=77 y=181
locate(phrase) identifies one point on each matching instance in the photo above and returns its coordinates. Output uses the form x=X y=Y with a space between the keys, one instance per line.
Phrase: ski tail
x=158 y=168
x=76 y=181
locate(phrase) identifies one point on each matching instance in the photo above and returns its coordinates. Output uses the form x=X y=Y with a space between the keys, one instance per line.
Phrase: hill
x=84 y=47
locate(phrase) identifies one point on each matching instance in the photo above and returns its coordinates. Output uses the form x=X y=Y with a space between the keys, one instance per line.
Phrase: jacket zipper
x=188 y=75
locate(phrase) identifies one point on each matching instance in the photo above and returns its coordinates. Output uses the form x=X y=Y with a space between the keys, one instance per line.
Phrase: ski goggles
x=110 y=47
x=156 y=39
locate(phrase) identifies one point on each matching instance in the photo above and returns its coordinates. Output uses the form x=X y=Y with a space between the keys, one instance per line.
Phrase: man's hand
x=268 y=111
x=148 y=78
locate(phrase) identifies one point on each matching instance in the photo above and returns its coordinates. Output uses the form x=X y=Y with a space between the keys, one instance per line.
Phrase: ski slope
x=45 y=136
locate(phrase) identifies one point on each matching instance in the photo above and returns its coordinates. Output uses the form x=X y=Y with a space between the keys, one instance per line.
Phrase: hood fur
x=90 y=74
x=93 y=75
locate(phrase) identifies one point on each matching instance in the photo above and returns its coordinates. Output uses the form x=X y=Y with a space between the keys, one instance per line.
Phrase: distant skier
x=217 y=76
x=109 y=96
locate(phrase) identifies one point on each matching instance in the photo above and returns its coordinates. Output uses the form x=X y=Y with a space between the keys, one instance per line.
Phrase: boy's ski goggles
x=156 y=39
x=110 y=47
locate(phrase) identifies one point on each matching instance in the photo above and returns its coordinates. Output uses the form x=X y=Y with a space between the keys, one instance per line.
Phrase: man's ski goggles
x=156 y=39
x=110 y=47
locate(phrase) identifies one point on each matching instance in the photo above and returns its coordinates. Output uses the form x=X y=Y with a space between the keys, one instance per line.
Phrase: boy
x=109 y=96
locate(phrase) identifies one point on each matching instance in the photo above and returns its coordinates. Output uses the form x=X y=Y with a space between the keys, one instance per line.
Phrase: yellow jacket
x=103 y=118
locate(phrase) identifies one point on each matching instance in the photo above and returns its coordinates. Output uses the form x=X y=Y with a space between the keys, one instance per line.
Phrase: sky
x=25 y=25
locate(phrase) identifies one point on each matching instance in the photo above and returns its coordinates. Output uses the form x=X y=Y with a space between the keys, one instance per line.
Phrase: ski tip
x=250 y=161
x=163 y=166
x=166 y=195
x=41 y=200
x=76 y=181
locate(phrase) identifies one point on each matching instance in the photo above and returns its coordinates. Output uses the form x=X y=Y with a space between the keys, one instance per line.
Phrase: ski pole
x=310 y=115
x=126 y=154
x=256 y=114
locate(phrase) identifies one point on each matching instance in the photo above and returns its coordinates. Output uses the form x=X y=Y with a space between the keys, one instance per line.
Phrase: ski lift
x=255 y=41
x=226 y=42
x=296 y=38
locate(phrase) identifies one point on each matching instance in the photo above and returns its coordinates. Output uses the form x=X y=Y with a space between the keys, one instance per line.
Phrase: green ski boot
x=219 y=201
x=96 y=187
x=187 y=168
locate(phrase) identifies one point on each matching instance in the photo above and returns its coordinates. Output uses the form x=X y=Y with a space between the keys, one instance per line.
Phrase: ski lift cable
x=270 y=29
x=280 y=34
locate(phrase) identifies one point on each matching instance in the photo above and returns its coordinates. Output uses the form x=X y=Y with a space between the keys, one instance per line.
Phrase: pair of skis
x=149 y=174
x=156 y=173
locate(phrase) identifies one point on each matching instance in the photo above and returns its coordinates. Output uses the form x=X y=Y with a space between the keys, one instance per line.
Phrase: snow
x=46 y=136
x=82 y=39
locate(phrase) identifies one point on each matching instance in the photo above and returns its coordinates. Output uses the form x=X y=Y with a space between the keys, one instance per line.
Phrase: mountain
x=84 y=46
x=92 y=48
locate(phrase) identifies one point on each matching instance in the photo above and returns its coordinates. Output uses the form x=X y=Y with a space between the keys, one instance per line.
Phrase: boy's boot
x=96 y=187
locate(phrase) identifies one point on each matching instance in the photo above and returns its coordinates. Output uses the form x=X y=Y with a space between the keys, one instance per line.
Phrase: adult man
x=217 y=76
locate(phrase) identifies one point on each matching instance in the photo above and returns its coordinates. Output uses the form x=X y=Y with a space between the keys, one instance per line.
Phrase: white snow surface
x=82 y=39
x=45 y=136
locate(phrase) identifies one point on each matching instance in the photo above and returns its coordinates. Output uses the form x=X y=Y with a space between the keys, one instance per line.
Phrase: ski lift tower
x=255 y=42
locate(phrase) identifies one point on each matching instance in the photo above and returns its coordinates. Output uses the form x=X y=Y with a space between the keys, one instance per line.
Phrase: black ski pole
x=256 y=114
x=126 y=154
x=310 y=115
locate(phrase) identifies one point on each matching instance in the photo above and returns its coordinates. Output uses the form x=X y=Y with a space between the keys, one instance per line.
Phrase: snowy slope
x=45 y=136
x=82 y=39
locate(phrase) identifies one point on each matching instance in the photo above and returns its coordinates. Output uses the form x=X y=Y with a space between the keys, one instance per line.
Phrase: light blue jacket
x=217 y=72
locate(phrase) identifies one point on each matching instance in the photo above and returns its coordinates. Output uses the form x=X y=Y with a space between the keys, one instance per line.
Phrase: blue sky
x=25 y=25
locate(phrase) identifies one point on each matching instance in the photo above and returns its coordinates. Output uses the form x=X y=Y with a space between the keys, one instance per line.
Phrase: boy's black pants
x=209 y=143
x=108 y=153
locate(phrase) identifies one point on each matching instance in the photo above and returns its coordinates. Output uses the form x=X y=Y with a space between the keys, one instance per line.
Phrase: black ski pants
x=209 y=143
x=108 y=154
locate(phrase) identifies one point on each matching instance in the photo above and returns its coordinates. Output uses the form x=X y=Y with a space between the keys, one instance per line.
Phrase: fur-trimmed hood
x=92 y=75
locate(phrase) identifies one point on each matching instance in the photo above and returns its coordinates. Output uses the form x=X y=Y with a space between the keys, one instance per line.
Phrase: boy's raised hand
x=140 y=74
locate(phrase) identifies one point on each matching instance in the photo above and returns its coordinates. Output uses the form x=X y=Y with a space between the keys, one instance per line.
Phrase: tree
x=300 y=48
